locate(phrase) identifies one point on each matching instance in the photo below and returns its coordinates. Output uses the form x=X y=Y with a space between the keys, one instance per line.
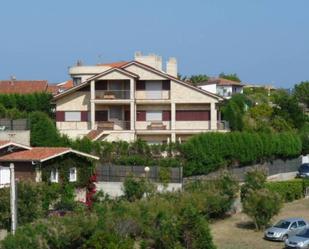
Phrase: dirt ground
x=237 y=232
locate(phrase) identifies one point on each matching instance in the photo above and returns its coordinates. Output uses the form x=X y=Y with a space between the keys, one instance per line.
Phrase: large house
x=223 y=87
x=135 y=99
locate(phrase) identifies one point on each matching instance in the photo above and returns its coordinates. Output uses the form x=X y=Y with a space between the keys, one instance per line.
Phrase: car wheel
x=285 y=237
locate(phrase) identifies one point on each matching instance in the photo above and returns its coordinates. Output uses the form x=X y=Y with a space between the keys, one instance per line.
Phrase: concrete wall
x=144 y=74
x=115 y=189
x=77 y=101
x=21 y=137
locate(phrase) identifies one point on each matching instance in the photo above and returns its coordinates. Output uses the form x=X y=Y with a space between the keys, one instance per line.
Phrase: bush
x=261 y=205
x=254 y=180
x=134 y=189
x=288 y=190
x=208 y=152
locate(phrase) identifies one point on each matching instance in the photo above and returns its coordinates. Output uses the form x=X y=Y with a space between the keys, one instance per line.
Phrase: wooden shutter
x=192 y=115
x=84 y=116
x=140 y=85
x=166 y=116
x=141 y=116
x=166 y=85
x=59 y=116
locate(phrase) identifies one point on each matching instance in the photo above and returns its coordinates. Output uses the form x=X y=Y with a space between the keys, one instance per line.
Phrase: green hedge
x=208 y=152
x=289 y=190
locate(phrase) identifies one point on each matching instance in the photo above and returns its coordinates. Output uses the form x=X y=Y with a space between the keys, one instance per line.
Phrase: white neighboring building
x=222 y=87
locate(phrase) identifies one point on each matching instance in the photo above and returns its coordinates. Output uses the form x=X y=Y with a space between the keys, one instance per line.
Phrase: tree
x=287 y=107
x=234 y=111
x=198 y=78
x=261 y=205
x=301 y=92
x=43 y=130
x=233 y=77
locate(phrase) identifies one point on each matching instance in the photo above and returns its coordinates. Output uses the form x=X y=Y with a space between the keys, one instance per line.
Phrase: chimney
x=171 y=67
x=152 y=60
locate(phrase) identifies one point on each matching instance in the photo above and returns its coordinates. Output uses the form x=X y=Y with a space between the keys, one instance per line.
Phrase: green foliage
x=43 y=130
x=288 y=190
x=254 y=180
x=234 y=110
x=34 y=201
x=27 y=103
x=304 y=136
x=135 y=188
x=288 y=108
x=198 y=78
x=85 y=170
x=301 y=92
x=261 y=205
x=208 y=152
x=170 y=220
x=233 y=77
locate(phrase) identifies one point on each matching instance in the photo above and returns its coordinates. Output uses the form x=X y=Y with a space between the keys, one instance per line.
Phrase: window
x=77 y=81
x=301 y=223
x=4 y=175
x=72 y=116
x=54 y=175
x=73 y=175
x=115 y=112
x=294 y=225
x=154 y=115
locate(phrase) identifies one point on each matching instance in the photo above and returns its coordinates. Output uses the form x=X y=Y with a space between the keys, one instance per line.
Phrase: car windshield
x=304 y=234
x=282 y=224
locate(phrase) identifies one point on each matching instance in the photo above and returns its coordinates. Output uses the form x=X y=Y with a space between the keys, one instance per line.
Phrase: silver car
x=299 y=241
x=286 y=228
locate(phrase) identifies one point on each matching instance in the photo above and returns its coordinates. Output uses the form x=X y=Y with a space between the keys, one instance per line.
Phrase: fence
x=115 y=173
x=272 y=168
x=13 y=124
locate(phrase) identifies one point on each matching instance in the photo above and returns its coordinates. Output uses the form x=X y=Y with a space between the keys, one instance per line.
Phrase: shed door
x=154 y=89
x=4 y=175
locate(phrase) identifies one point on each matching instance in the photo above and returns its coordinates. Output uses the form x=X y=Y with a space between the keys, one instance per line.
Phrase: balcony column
x=173 y=116
x=132 y=89
x=213 y=116
x=92 y=104
x=132 y=115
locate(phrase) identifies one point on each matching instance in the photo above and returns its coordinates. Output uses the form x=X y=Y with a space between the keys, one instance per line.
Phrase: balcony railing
x=112 y=94
x=114 y=125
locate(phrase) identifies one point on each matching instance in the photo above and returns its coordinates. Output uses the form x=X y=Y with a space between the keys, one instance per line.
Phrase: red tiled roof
x=41 y=154
x=222 y=82
x=6 y=143
x=114 y=64
x=35 y=154
x=56 y=88
x=94 y=134
x=22 y=86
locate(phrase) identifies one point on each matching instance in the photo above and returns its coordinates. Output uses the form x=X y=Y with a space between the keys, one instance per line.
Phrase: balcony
x=112 y=94
x=114 y=125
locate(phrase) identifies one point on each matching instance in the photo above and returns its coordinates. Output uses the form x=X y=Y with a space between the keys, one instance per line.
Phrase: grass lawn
x=237 y=232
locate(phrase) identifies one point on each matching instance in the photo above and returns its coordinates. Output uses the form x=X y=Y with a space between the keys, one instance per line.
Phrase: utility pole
x=13 y=199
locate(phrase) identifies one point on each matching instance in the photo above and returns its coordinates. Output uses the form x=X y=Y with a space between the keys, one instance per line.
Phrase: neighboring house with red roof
x=60 y=87
x=135 y=99
x=223 y=87
x=23 y=86
x=30 y=161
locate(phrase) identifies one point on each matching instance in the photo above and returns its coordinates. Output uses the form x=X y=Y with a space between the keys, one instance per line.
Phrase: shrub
x=254 y=180
x=208 y=152
x=261 y=205
x=288 y=190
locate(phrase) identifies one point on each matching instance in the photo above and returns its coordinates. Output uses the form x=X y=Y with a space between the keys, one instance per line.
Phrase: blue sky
x=263 y=41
